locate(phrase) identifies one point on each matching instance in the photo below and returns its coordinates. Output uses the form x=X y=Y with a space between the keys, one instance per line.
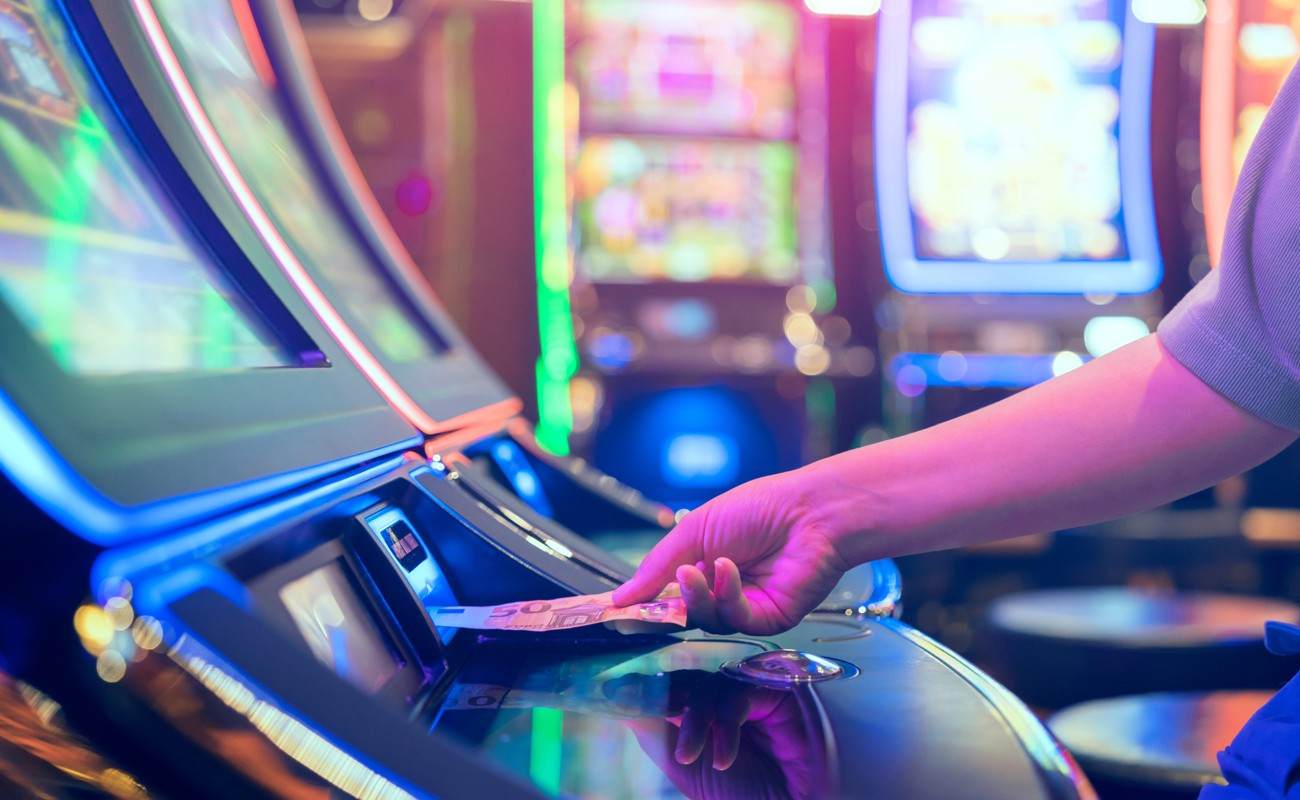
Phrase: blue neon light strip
x=32 y=464
x=1138 y=274
x=980 y=370
x=173 y=553
x=51 y=483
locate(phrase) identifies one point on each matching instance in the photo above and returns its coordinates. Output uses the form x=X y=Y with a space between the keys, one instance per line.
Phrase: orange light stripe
x=1218 y=120
x=495 y=415
x=253 y=41
x=266 y=230
x=449 y=443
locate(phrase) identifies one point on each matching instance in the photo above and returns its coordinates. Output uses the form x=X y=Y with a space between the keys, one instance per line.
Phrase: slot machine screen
x=93 y=262
x=698 y=66
x=232 y=76
x=338 y=630
x=1013 y=139
x=650 y=208
x=687 y=166
x=1013 y=149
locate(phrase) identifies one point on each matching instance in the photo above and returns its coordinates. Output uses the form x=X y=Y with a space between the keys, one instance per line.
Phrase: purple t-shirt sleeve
x=1239 y=329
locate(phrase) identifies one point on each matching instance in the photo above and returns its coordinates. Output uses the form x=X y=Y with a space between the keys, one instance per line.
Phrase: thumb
x=680 y=546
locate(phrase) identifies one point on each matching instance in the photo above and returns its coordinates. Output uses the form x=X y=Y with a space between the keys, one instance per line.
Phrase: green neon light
x=218 y=346
x=40 y=175
x=820 y=401
x=778 y=159
x=546 y=754
x=827 y=296
x=558 y=361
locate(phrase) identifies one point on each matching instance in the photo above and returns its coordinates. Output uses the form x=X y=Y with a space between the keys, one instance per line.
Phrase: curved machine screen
x=1013 y=141
x=232 y=78
x=91 y=261
x=1013 y=147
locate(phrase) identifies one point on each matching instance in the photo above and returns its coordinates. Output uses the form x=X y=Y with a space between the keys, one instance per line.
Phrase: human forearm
x=1127 y=432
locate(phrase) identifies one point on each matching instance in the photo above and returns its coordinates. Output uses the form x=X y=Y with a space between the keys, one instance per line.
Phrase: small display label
x=419 y=564
x=408 y=550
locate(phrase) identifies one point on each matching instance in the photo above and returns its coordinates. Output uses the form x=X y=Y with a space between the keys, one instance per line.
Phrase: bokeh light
x=1066 y=361
x=374 y=10
x=911 y=381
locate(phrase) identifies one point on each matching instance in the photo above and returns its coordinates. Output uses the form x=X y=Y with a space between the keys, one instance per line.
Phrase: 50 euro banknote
x=561 y=614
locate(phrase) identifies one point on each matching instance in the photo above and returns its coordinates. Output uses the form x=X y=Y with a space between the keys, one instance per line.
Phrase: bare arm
x=1130 y=431
x=1124 y=433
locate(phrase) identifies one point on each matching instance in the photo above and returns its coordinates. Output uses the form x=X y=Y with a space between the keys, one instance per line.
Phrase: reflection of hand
x=754 y=559
x=724 y=739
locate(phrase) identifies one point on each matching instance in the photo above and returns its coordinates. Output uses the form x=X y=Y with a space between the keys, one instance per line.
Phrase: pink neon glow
x=253 y=41
x=1218 y=119
x=415 y=195
x=267 y=231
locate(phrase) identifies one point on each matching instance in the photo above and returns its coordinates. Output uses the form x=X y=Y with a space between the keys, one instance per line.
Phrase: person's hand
x=756 y=559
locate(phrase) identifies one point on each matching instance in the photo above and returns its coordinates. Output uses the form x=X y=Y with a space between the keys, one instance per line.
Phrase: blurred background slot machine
x=1015 y=189
x=686 y=313
x=683 y=302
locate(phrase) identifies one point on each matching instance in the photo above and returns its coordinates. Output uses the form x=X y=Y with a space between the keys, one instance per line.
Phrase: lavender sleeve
x=1239 y=329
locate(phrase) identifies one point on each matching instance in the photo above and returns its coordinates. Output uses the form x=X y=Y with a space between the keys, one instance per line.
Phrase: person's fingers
x=733 y=607
x=694 y=735
x=680 y=546
x=706 y=567
x=701 y=610
x=733 y=711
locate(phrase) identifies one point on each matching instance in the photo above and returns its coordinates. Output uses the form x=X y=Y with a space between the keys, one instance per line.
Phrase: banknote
x=561 y=614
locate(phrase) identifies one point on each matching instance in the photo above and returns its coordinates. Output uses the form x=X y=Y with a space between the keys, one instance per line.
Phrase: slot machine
x=232 y=541
x=1015 y=194
x=686 y=295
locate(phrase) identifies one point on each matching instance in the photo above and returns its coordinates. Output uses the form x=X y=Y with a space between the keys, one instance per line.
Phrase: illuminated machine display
x=1015 y=192
x=685 y=282
x=248 y=539
x=1250 y=48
